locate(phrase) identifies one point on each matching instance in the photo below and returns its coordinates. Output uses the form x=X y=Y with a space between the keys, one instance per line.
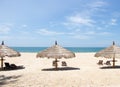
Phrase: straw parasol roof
x=110 y=52
x=7 y=51
x=56 y=52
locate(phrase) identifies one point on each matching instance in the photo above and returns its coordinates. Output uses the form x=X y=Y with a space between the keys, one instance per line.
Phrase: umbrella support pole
x=2 y=63
x=56 y=65
x=113 y=61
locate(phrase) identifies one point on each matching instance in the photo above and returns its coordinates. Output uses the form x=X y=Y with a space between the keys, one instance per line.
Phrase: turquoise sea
x=73 y=49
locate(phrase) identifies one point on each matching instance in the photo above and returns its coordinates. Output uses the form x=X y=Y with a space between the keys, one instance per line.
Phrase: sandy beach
x=81 y=71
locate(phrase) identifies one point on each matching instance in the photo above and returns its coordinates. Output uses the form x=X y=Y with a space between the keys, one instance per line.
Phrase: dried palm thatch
x=110 y=52
x=7 y=51
x=56 y=52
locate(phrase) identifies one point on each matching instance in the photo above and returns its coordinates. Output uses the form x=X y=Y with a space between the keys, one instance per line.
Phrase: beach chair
x=107 y=63
x=7 y=66
x=54 y=63
x=12 y=66
x=64 y=63
x=100 y=62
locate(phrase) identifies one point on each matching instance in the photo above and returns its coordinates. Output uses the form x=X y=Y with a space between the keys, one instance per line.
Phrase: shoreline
x=73 y=49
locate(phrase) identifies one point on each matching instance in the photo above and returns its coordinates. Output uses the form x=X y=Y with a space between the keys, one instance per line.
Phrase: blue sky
x=79 y=23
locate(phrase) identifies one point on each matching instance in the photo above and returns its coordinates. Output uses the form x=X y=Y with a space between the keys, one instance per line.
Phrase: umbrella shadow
x=4 y=80
x=61 y=69
x=10 y=69
x=110 y=67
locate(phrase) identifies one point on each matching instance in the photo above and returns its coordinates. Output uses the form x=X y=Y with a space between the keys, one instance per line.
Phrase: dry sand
x=82 y=71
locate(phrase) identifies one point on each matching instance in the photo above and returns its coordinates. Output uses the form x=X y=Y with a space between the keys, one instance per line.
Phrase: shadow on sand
x=4 y=80
x=110 y=67
x=9 y=69
x=61 y=69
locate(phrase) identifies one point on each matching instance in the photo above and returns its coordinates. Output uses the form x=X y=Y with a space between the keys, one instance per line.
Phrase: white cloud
x=81 y=37
x=4 y=29
x=105 y=33
x=87 y=16
x=77 y=19
x=5 y=37
x=90 y=33
x=24 y=25
x=106 y=24
x=73 y=34
x=88 y=23
x=49 y=33
x=113 y=22
x=97 y=4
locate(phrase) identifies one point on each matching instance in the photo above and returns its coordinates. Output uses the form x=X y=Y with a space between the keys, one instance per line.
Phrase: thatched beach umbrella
x=110 y=52
x=56 y=52
x=7 y=51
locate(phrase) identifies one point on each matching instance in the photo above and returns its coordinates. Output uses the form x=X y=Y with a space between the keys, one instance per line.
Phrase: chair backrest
x=64 y=63
x=54 y=63
x=7 y=64
x=108 y=63
x=100 y=62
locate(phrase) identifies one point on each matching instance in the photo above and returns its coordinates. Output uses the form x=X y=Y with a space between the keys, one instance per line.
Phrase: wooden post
x=2 y=63
x=56 y=65
x=114 y=60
